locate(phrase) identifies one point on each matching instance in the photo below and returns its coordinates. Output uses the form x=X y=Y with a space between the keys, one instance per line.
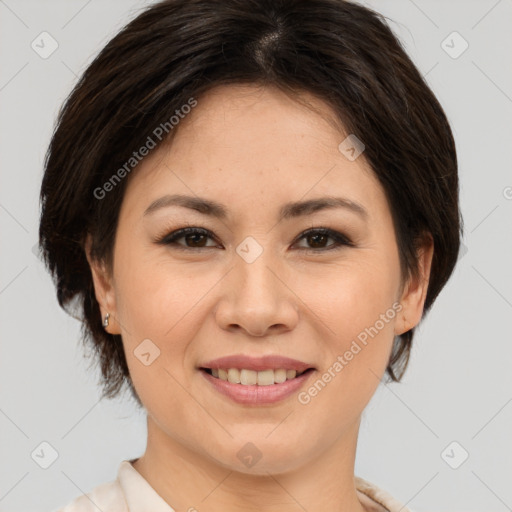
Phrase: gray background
x=459 y=383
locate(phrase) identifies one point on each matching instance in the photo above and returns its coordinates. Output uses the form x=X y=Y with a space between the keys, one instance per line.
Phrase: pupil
x=195 y=235
x=316 y=237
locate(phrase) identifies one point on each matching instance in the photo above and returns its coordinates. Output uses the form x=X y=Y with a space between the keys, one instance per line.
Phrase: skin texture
x=254 y=149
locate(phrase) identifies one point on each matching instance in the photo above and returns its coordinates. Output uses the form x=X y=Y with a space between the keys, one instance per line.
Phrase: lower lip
x=258 y=395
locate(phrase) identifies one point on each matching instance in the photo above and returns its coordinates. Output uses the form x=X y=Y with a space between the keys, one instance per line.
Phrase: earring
x=105 y=322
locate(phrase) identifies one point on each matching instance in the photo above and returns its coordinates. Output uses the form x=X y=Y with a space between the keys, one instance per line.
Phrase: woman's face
x=254 y=285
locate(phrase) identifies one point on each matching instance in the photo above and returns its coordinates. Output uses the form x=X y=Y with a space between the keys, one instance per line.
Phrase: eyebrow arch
x=288 y=211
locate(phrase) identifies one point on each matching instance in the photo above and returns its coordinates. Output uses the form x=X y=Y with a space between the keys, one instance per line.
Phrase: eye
x=317 y=237
x=196 y=238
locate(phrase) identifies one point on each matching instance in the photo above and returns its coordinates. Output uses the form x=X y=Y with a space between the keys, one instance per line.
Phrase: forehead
x=246 y=143
x=250 y=111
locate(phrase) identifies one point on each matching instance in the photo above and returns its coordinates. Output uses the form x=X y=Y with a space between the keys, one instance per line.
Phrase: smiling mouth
x=246 y=377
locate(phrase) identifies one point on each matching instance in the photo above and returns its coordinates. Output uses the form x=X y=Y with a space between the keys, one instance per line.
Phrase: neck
x=189 y=480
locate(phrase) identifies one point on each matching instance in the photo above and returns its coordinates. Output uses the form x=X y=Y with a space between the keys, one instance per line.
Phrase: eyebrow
x=288 y=211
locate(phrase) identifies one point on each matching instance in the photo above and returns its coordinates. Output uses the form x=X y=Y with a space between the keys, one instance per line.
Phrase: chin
x=258 y=455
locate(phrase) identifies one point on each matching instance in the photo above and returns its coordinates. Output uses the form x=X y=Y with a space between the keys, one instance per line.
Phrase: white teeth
x=251 y=377
x=279 y=376
x=266 y=377
x=290 y=374
x=234 y=376
x=248 y=377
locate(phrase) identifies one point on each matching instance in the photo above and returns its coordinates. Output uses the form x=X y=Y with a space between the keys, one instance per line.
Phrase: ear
x=415 y=290
x=103 y=289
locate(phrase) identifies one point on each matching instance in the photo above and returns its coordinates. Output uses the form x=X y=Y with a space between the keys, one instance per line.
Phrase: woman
x=254 y=204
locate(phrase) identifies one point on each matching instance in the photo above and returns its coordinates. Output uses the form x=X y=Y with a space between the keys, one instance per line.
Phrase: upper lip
x=260 y=363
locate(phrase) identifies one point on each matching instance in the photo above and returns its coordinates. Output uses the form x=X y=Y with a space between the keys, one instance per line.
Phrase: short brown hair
x=343 y=53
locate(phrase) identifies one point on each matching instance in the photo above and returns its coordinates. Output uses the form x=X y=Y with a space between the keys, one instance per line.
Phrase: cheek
x=155 y=301
x=153 y=294
x=360 y=307
x=362 y=301
x=351 y=296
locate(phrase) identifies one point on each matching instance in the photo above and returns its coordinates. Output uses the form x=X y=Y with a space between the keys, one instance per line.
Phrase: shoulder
x=379 y=500
x=107 y=497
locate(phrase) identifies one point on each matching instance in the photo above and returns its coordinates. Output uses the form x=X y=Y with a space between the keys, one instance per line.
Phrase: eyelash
x=171 y=238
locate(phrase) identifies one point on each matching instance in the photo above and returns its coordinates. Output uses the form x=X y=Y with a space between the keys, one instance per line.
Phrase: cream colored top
x=131 y=492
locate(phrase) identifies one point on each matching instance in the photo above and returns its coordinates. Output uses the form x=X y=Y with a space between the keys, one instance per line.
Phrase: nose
x=257 y=298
